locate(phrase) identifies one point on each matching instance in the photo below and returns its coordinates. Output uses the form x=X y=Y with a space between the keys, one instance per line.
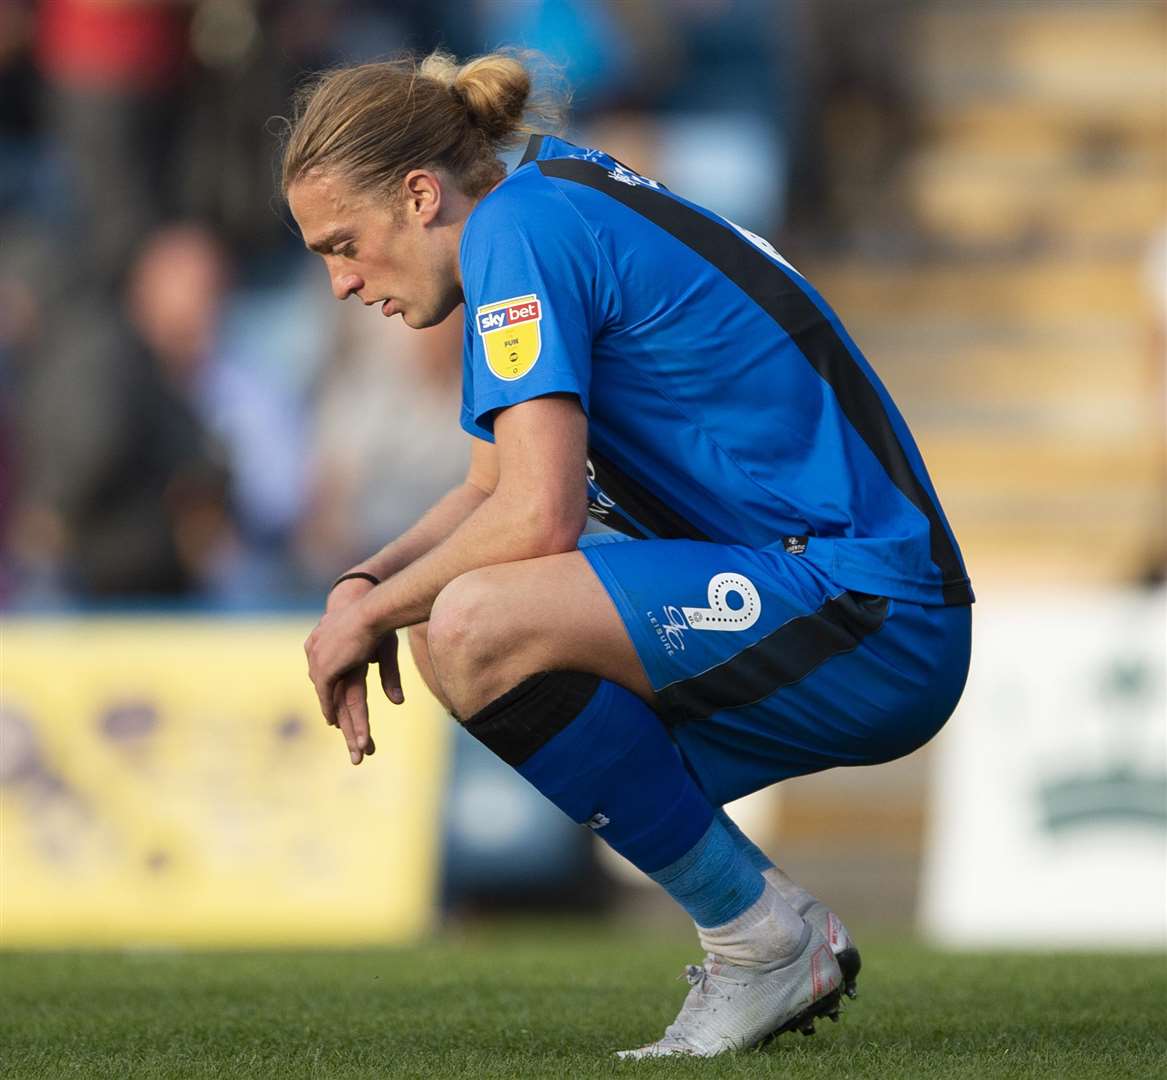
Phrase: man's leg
x=809 y=906
x=563 y=699
x=793 y=894
x=419 y=649
x=493 y=627
x=536 y=663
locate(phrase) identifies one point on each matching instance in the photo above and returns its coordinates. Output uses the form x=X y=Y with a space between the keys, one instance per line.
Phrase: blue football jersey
x=725 y=400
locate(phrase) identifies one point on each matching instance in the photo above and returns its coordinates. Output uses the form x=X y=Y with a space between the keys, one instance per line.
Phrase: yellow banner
x=171 y=781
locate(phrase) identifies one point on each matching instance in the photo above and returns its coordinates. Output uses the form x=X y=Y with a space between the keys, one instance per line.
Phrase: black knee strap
x=529 y=715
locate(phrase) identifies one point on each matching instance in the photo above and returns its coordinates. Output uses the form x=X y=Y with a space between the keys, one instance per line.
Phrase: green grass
x=555 y=1000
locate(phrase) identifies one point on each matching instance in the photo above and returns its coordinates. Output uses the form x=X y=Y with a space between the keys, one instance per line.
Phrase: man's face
x=398 y=257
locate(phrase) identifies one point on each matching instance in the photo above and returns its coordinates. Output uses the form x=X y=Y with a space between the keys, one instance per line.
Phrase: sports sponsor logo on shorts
x=669 y=628
x=673 y=622
x=510 y=335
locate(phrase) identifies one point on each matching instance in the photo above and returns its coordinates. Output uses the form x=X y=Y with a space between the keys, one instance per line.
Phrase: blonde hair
x=373 y=123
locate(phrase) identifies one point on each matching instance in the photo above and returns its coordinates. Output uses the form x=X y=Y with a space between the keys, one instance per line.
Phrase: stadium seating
x=1020 y=337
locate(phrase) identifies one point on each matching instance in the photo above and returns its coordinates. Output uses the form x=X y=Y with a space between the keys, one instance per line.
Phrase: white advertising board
x=1048 y=806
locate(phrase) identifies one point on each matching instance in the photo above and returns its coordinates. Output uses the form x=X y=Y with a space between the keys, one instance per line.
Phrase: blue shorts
x=765 y=669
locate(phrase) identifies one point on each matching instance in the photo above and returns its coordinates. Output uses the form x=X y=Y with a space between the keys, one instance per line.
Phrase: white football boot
x=732 y=1008
x=823 y=919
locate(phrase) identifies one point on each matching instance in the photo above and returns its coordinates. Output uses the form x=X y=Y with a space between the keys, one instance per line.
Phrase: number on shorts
x=719 y=615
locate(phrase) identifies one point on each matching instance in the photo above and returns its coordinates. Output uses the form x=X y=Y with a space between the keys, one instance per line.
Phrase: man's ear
x=422 y=189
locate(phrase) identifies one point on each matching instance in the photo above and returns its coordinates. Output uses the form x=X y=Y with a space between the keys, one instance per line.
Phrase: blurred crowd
x=185 y=413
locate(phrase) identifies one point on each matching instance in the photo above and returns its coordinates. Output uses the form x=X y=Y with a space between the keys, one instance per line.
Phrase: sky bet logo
x=498 y=317
x=510 y=335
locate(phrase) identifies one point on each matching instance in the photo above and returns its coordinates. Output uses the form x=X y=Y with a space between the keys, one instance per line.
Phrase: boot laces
x=708 y=987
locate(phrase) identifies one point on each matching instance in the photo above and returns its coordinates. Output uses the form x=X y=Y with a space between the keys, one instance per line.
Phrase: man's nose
x=344 y=285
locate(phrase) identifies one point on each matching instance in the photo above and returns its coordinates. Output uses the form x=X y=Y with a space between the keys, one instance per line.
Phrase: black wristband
x=352 y=575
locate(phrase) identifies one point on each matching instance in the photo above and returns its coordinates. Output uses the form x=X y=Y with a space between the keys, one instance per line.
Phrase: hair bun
x=495 y=90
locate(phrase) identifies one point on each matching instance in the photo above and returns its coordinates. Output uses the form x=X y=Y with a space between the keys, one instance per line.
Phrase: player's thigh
x=689 y=607
x=764 y=668
x=511 y=620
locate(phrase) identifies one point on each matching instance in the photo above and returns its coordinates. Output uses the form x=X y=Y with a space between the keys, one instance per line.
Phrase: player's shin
x=603 y=757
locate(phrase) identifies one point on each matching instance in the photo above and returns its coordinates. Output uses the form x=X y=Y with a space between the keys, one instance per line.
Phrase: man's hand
x=352 y=685
x=338 y=652
x=349 y=592
x=390 y=673
x=351 y=713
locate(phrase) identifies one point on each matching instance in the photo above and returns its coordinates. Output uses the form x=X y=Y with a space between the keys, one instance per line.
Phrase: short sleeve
x=535 y=301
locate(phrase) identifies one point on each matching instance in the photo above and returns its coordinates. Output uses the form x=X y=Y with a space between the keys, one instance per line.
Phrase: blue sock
x=614 y=767
x=759 y=860
x=713 y=881
x=603 y=757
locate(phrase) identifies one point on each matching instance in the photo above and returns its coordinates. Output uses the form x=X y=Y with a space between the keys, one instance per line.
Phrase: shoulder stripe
x=773 y=290
x=534 y=145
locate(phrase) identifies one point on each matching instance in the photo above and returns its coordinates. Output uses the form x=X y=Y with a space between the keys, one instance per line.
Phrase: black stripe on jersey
x=640 y=504
x=781 y=658
x=534 y=145
x=771 y=288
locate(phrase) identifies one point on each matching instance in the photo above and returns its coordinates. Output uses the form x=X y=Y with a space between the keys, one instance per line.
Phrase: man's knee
x=418 y=646
x=419 y=650
x=461 y=633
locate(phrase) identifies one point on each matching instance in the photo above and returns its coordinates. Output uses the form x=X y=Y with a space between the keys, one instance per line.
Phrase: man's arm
x=441 y=519
x=537 y=507
x=350 y=693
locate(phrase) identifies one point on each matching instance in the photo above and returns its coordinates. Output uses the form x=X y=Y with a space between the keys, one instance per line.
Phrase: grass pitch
x=554 y=1000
